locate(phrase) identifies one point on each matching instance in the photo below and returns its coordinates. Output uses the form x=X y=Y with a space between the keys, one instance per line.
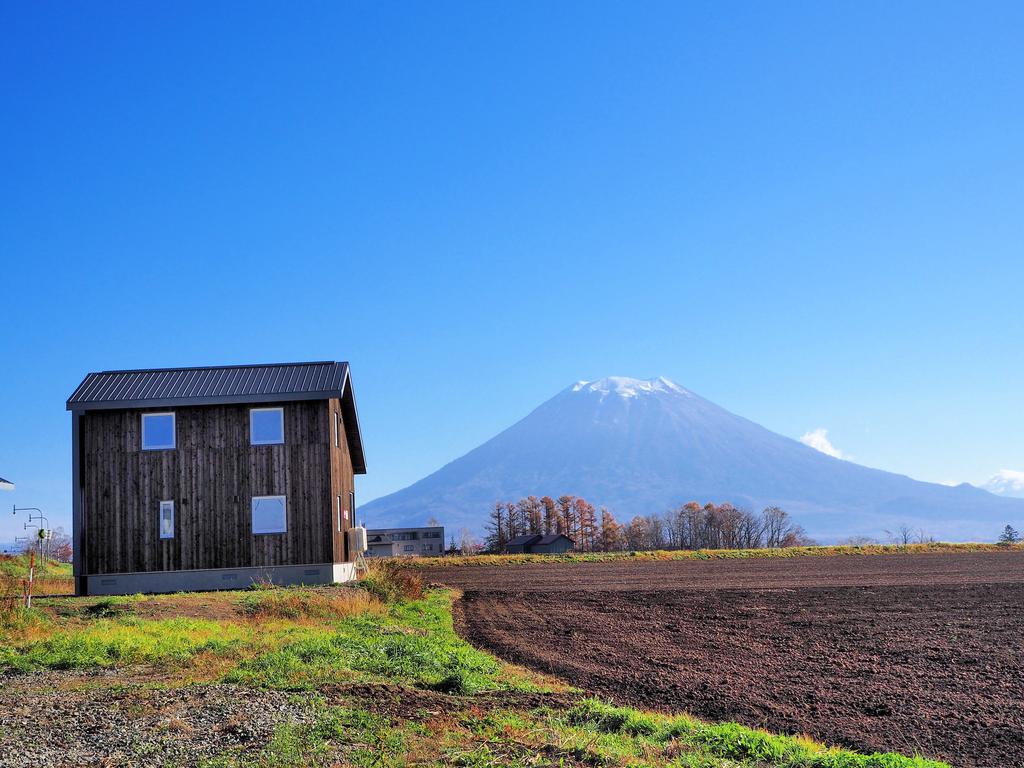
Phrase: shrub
x=393 y=581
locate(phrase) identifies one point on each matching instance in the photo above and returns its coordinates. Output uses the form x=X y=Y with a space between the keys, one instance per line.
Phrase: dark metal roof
x=221 y=384
x=551 y=538
x=519 y=541
x=277 y=382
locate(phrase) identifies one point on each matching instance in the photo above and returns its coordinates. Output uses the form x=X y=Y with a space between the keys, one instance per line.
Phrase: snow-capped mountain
x=640 y=446
x=1006 y=482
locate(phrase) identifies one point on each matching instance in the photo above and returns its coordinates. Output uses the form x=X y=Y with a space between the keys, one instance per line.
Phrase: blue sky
x=809 y=213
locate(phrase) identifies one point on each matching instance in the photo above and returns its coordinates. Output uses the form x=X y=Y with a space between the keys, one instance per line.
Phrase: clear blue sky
x=810 y=213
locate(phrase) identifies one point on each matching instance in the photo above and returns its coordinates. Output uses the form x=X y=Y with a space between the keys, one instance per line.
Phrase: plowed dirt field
x=911 y=653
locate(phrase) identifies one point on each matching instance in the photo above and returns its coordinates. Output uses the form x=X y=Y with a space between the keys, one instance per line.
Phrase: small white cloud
x=1006 y=482
x=818 y=440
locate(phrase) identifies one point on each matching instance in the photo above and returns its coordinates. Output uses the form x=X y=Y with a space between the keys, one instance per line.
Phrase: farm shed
x=539 y=544
x=214 y=478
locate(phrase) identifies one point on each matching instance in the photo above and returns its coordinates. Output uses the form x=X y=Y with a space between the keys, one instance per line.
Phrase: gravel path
x=51 y=719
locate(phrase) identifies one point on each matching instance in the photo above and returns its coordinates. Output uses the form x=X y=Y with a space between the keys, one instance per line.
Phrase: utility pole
x=42 y=531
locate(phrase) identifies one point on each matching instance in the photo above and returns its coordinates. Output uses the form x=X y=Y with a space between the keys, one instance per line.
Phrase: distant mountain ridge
x=642 y=446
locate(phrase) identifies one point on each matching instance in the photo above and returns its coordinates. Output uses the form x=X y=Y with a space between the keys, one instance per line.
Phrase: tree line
x=691 y=526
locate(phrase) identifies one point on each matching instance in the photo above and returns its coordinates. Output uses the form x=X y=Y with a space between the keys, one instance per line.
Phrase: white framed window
x=266 y=426
x=166 y=519
x=269 y=514
x=339 y=514
x=337 y=430
x=157 y=431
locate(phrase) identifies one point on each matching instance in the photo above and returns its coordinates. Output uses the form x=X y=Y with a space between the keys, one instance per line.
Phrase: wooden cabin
x=214 y=478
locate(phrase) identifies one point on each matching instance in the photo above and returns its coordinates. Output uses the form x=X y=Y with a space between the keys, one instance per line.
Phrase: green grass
x=110 y=642
x=635 y=731
x=710 y=554
x=414 y=643
x=17 y=566
x=592 y=733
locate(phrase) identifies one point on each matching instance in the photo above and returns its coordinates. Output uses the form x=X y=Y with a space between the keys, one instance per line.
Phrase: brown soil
x=915 y=654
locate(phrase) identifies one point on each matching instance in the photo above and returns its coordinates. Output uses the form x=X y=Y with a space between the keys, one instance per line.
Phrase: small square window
x=166 y=519
x=269 y=514
x=266 y=426
x=157 y=431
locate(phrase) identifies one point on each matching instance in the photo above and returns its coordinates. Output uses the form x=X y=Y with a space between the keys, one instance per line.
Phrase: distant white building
x=405 y=542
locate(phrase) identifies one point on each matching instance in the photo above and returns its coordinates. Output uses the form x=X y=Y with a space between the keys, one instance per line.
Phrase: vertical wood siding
x=211 y=476
x=342 y=483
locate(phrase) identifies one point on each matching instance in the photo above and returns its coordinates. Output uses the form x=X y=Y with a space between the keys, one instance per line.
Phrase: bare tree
x=497 y=528
x=858 y=541
x=903 y=535
x=468 y=544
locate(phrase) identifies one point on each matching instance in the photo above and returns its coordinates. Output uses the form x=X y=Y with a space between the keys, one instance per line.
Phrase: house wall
x=559 y=547
x=342 y=484
x=406 y=542
x=211 y=476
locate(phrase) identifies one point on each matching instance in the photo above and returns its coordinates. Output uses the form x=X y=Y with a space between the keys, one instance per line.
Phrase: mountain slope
x=1006 y=482
x=646 y=446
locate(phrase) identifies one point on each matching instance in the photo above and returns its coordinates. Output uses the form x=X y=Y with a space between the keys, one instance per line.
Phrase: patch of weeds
x=728 y=740
x=392 y=581
x=302 y=603
x=414 y=643
x=106 y=608
x=337 y=736
x=109 y=642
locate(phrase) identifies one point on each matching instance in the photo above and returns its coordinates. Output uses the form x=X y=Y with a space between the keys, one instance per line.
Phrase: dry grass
x=710 y=554
x=305 y=604
x=393 y=581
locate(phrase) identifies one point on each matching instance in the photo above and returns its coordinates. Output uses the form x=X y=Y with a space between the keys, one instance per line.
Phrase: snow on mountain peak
x=623 y=386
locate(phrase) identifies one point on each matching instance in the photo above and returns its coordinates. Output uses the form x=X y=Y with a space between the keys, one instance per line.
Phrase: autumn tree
x=516 y=525
x=567 y=516
x=533 y=514
x=550 y=514
x=637 y=533
x=586 y=525
x=611 y=538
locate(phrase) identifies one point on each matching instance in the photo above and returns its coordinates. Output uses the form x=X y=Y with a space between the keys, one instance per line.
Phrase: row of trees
x=691 y=526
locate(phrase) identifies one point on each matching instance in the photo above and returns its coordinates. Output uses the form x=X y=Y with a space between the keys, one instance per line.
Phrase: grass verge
x=591 y=733
x=710 y=554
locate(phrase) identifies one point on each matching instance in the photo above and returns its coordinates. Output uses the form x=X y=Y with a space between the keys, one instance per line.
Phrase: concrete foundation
x=217 y=578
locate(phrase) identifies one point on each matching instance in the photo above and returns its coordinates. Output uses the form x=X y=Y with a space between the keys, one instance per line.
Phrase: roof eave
x=129 y=405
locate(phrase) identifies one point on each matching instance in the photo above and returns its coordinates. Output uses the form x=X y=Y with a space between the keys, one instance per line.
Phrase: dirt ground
x=916 y=654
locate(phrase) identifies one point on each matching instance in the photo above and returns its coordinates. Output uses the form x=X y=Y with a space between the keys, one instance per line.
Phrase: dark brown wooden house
x=213 y=478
